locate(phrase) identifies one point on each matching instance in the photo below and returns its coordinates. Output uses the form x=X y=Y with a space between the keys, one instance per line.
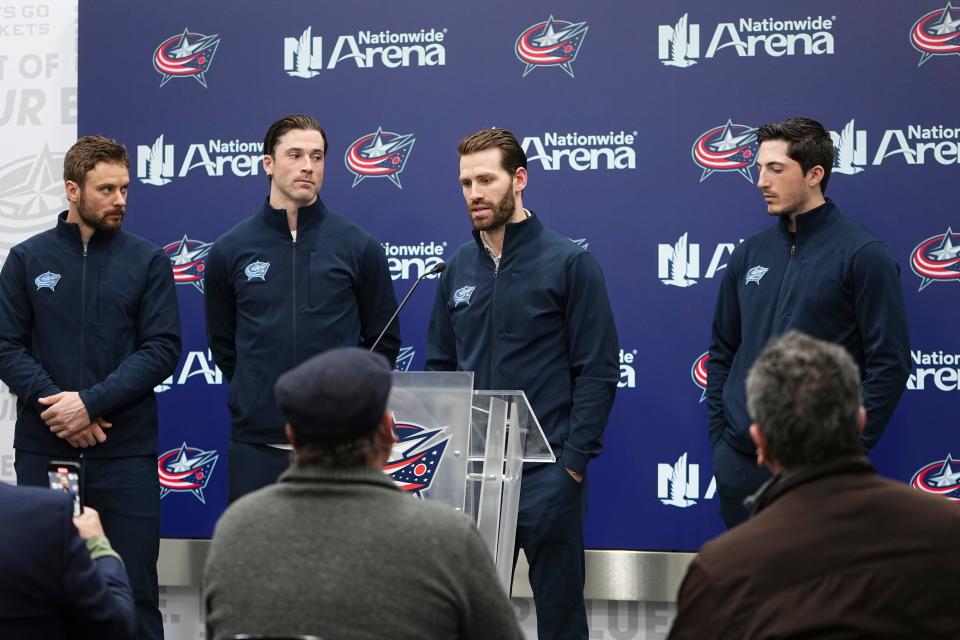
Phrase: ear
x=268 y=164
x=814 y=176
x=73 y=191
x=520 y=179
x=288 y=431
x=861 y=419
x=386 y=435
x=760 y=441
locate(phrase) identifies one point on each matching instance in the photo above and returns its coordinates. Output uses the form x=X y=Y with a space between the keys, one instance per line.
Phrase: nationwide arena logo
x=678 y=264
x=186 y=470
x=678 y=484
x=939 y=478
x=934 y=370
x=937 y=259
x=551 y=43
x=381 y=154
x=628 y=371
x=196 y=363
x=728 y=147
x=415 y=459
x=556 y=150
x=157 y=162
x=188 y=258
x=679 y=44
x=698 y=373
x=303 y=55
x=31 y=196
x=185 y=55
x=411 y=261
x=936 y=34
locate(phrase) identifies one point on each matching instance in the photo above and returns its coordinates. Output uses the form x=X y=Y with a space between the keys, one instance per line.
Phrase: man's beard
x=102 y=223
x=502 y=212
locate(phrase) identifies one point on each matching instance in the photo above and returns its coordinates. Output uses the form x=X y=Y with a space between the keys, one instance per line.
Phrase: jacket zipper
x=83 y=312
x=293 y=311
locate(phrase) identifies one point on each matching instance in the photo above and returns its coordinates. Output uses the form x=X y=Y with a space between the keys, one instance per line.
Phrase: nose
x=306 y=164
x=120 y=199
x=473 y=193
x=762 y=181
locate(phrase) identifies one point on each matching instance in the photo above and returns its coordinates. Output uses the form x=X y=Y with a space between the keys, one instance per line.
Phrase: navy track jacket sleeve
x=221 y=312
x=882 y=323
x=18 y=368
x=96 y=592
x=593 y=348
x=158 y=345
x=724 y=344
x=377 y=302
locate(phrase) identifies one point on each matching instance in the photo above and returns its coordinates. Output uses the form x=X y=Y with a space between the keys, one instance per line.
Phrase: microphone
x=435 y=270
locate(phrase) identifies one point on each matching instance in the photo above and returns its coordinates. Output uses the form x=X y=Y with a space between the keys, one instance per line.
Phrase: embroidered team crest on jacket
x=47 y=280
x=256 y=270
x=462 y=295
x=754 y=274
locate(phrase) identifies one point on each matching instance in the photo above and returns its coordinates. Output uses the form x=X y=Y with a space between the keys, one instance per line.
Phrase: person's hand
x=92 y=435
x=66 y=413
x=573 y=474
x=88 y=523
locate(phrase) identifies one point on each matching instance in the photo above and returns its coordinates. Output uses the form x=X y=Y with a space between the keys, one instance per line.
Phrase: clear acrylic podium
x=466 y=449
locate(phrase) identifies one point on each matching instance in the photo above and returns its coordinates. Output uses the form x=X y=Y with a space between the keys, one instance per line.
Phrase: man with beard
x=816 y=271
x=89 y=325
x=292 y=280
x=523 y=307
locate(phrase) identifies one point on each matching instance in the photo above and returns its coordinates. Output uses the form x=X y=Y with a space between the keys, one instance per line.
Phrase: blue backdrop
x=638 y=121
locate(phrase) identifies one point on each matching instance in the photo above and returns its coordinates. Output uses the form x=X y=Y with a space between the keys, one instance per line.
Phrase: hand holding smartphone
x=66 y=476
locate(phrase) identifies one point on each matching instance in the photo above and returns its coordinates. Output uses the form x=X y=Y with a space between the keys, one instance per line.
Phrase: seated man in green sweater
x=334 y=549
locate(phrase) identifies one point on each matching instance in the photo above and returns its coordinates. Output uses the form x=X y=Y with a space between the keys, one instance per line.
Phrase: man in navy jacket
x=61 y=578
x=817 y=271
x=289 y=282
x=89 y=325
x=523 y=307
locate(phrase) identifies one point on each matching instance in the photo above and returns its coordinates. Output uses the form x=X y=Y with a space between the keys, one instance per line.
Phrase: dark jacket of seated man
x=56 y=582
x=833 y=550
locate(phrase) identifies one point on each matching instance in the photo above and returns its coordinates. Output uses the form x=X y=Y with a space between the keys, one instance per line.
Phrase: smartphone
x=66 y=477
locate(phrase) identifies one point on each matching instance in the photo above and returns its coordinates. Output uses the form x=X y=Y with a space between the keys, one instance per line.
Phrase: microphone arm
x=436 y=269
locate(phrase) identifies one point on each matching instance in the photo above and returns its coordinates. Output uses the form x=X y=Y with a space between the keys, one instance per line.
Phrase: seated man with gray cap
x=334 y=549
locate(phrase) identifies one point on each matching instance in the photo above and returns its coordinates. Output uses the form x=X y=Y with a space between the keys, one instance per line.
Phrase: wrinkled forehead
x=486 y=162
x=308 y=140
x=107 y=173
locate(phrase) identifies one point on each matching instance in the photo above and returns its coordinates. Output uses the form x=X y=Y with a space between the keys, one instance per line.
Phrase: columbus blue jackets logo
x=416 y=457
x=755 y=274
x=463 y=295
x=937 y=259
x=256 y=271
x=551 y=43
x=936 y=34
x=381 y=154
x=47 y=280
x=729 y=147
x=188 y=258
x=940 y=478
x=185 y=55
x=405 y=358
x=698 y=373
x=186 y=469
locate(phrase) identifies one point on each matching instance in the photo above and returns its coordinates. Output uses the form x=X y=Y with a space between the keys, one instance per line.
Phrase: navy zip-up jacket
x=103 y=322
x=272 y=302
x=835 y=281
x=541 y=323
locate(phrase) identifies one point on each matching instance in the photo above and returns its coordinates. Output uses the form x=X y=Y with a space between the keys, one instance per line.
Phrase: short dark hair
x=339 y=455
x=289 y=123
x=804 y=395
x=809 y=144
x=512 y=156
x=86 y=152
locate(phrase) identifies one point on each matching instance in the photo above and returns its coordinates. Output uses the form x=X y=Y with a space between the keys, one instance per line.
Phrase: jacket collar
x=810 y=222
x=315 y=473
x=306 y=216
x=70 y=231
x=515 y=233
x=790 y=479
